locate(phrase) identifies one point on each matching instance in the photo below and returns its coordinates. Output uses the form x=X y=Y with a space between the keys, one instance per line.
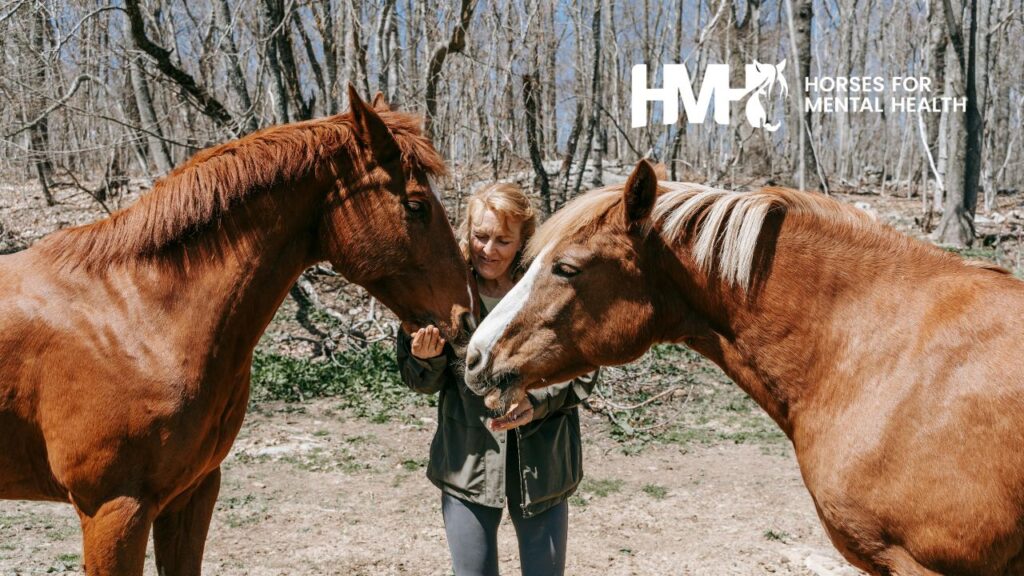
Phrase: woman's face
x=493 y=242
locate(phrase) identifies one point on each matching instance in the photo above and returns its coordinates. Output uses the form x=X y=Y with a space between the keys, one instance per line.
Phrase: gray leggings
x=472 y=531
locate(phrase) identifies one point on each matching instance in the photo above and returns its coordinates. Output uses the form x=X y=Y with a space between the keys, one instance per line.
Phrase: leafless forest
x=96 y=95
x=99 y=99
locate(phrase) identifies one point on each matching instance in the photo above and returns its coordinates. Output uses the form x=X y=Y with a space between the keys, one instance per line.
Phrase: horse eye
x=416 y=205
x=564 y=270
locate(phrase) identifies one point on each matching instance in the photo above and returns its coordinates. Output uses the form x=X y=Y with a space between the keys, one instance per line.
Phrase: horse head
x=384 y=227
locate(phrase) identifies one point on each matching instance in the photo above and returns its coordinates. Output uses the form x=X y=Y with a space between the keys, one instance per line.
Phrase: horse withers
x=895 y=368
x=126 y=345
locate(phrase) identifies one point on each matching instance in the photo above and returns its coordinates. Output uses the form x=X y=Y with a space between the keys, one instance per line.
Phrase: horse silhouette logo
x=760 y=82
x=764 y=78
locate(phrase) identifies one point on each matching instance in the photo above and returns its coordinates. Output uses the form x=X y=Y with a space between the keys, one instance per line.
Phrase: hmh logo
x=760 y=79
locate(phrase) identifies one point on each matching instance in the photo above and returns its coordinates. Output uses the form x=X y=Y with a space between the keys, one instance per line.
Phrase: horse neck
x=808 y=314
x=226 y=285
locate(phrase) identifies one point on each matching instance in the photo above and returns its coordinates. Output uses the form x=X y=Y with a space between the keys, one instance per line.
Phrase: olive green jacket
x=467 y=459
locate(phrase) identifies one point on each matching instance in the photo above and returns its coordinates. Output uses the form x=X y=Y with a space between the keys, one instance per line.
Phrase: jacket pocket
x=457 y=456
x=552 y=459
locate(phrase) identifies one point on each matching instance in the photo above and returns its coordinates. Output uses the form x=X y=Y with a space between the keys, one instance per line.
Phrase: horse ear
x=781 y=66
x=379 y=104
x=640 y=193
x=372 y=130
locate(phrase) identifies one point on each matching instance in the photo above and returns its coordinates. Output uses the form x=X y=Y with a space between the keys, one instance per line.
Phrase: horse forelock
x=582 y=212
x=723 y=227
x=204 y=189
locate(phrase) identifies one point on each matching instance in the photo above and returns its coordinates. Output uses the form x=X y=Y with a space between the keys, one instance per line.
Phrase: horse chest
x=221 y=419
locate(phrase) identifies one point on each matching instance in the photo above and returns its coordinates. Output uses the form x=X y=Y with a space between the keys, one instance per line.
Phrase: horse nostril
x=473 y=357
x=468 y=322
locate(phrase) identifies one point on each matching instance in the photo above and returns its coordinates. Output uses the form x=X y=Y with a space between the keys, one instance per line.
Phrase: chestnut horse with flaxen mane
x=896 y=369
x=126 y=345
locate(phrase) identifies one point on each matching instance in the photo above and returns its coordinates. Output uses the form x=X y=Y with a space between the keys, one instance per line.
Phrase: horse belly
x=945 y=485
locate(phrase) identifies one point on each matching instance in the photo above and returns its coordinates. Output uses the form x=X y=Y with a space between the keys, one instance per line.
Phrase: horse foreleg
x=179 y=533
x=114 y=537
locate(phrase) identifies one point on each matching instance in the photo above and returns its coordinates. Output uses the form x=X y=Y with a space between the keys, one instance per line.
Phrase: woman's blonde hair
x=510 y=204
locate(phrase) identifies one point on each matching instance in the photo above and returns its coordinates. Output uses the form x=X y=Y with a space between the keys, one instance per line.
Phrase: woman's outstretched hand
x=427 y=343
x=521 y=413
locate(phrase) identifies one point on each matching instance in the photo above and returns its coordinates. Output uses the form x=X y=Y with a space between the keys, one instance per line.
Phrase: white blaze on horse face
x=496 y=323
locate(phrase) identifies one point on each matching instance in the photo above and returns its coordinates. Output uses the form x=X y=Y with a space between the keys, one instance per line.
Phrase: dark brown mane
x=201 y=191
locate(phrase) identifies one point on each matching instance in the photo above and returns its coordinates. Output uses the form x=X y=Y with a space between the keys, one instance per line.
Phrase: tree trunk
x=314 y=65
x=551 y=82
x=972 y=168
x=530 y=98
x=355 y=56
x=749 y=146
x=278 y=96
x=456 y=44
x=957 y=225
x=39 y=135
x=595 y=89
x=804 y=15
x=236 y=78
x=209 y=105
x=325 y=22
x=937 y=72
x=147 y=115
x=601 y=137
x=385 y=72
x=302 y=108
x=570 y=153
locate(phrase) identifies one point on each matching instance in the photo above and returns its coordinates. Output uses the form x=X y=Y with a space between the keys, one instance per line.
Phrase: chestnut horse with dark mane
x=126 y=345
x=896 y=369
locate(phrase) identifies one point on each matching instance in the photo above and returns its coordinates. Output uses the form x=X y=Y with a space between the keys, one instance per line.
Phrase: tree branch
x=207 y=103
x=57 y=104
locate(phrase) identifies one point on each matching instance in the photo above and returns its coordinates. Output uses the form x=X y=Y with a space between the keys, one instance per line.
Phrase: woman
x=530 y=458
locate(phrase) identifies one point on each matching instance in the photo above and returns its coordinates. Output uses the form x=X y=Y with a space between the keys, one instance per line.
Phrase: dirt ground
x=313 y=490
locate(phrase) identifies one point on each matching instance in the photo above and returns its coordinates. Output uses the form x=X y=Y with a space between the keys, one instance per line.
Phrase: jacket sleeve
x=558 y=396
x=423 y=376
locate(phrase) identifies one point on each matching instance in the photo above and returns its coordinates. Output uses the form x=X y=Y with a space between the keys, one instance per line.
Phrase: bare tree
x=206 y=102
x=73 y=103
x=147 y=115
x=530 y=98
x=39 y=132
x=801 y=27
x=456 y=44
x=936 y=71
x=236 y=77
x=957 y=225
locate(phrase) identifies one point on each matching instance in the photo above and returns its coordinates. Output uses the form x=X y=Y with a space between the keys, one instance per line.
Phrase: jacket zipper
x=522 y=477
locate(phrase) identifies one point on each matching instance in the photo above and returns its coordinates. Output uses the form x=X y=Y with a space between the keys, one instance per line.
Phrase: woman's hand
x=427 y=343
x=520 y=414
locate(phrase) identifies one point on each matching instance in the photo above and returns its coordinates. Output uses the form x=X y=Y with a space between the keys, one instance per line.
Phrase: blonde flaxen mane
x=725 y=224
